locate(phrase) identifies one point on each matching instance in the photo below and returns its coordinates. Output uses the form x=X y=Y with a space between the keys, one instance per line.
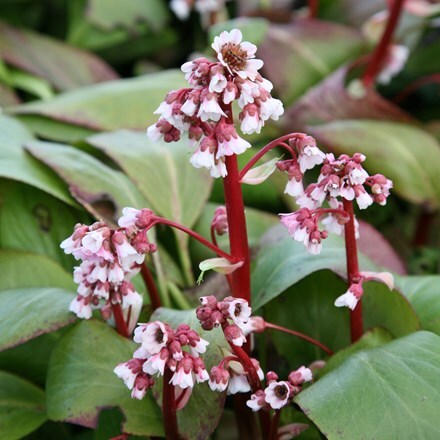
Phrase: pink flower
x=183 y=376
x=235 y=335
x=128 y=371
x=229 y=142
x=219 y=378
x=351 y=297
x=81 y=307
x=237 y=56
x=257 y=401
x=209 y=107
x=299 y=376
x=142 y=383
x=277 y=394
x=250 y=119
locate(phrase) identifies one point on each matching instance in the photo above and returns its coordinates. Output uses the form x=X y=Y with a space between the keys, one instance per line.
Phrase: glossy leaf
x=25 y=269
x=423 y=292
x=31 y=220
x=280 y=265
x=26 y=313
x=65 y=67
x=75 y=397
x=90 y=181
x=16 y=164
x=22 y=407
x=201 y=415
x=390 y=150
x=93 y=107
x=306 y=51
x=399 y=385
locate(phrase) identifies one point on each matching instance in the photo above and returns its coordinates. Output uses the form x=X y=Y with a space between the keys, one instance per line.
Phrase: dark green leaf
x=81 y=381
x=22 y=407
x=387 y=392
x=28 y=313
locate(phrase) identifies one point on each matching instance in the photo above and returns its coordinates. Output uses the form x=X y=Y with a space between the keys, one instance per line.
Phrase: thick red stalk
x=299 y=335
x=151 y=287
x=238 y=240
x=274 y=426
x=313 y=8
x=356 y=322
x=121 y=325
x=198 y=237
x=169 y=407
x=380 y=53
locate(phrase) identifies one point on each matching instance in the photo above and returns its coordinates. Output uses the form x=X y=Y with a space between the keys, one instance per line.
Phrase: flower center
x=281 y=392
x=159 y=336
x=237 y=310
x=234 y=56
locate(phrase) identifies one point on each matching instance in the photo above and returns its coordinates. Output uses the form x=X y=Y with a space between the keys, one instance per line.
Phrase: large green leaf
x=109 y=14
x=201 y=415
x=22 y=407
x=423 y=293
x=90 y=181
x=285 y=262
x=16 y=164
x=306 y=51
x=25 y=269
x=390 y=392
x=64 y=66
x=26 y=313
x=407 y=155
x=31 y=220
x=93 y=107
x=81 y=380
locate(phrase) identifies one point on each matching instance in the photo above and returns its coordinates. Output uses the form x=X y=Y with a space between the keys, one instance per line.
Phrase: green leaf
x=25 y=269
x=90 y=181
x=28 y=313
x=389 y=392
x=22 y=407
x=109 y=14
x=32 y=84
x=31 y=220
x=282 y=264
x=374 y=338
x=93 y=107
x=65 y=67
x=306 y=52
x=16 y=164
x=202 y=413
x=81 y=381
x=389 y=147
x=423 y=292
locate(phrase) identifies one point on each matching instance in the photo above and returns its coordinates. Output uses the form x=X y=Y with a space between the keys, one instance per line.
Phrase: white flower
x=239 y=311
x=128 y=372
x=154 y=133
x=181 y=8
x=251 y=122
x=80 y=308
x=294 y=188
x=277 y=394
x=219 y=170
x=257 y=401
x=233 y=145
x=218 y=82
x=199 y=346
x=332 y=225
x=363 y=200
x=309 y=157
x=129 y=217
x=127 y=254
x=238 y=383
x=156 y=364
x=115 y=274
x=348 y=299
x=202 y=159
x=153 y=336
x=189 y=107
x=99 y=273
x=210 y=109
x=271 y=108
x=358 y=176
x=182 y=378
x=313 y=245
x=237 y=56
x=394 y=63
x=132 y=298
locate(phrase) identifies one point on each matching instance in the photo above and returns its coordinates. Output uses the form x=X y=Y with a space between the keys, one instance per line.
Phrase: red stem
x=299 y=335
x=313 y=8
x=198 y=237
x=151 y=287
x=270 y=146
x=380 y=53
x=356 y=322
x=434 y=78
x=169 y=407
x=274 y=426
x=121 y=325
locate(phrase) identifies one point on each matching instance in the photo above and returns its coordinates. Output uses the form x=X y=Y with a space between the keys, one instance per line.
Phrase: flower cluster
x=161 y=348
x=278 y=394
x=109 y=259
x=204 y=109
x=233 y=314
x=230 y=375
x=343 y=177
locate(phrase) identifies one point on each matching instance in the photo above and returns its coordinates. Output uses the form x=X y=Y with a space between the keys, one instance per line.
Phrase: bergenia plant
x=203 y=112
